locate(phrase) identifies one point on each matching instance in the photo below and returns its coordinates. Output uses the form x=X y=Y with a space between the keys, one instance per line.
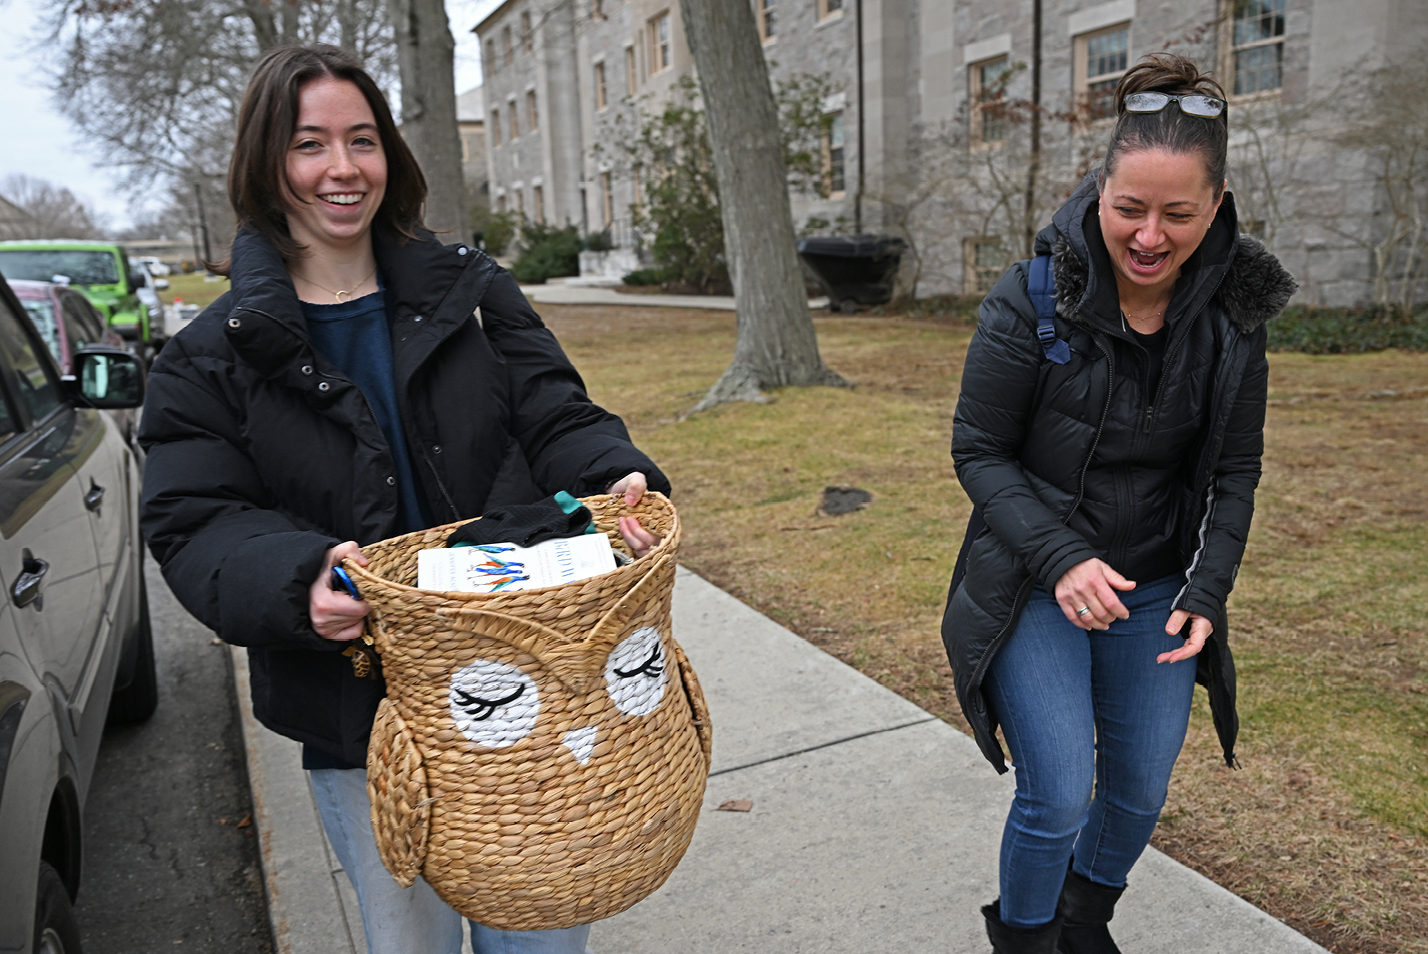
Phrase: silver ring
x=1083 y=611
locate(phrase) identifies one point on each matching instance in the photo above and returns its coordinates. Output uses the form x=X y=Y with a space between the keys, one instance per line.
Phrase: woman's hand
x=1091 y=586
x=1200 y=630
x=640 y=540
x=633 y=486
x=334 y=614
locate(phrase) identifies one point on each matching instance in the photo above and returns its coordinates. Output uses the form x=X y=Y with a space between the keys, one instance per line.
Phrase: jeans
x=411 y=920
x=1078 y=709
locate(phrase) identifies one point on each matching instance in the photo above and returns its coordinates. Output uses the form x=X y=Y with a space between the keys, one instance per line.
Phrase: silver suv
x=75 y=646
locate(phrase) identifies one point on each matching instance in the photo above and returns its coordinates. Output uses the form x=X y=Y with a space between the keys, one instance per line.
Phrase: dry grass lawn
x=1326 y=824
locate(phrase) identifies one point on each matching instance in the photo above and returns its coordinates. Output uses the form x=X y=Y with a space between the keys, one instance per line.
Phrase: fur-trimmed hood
x=1248 y=281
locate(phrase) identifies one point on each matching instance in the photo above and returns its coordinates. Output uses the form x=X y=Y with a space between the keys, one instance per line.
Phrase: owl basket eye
x=541 y=755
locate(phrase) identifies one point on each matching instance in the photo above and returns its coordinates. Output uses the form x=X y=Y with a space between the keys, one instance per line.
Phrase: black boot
x=1085 y=910
x=1009 y=940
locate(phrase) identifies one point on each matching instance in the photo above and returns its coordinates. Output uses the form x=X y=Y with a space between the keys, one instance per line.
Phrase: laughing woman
x=345 y=391
x=1112 y=461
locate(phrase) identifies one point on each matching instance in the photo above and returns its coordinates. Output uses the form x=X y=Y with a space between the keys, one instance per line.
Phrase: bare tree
x=50 y=211
x=777 y=346
x=426 y=58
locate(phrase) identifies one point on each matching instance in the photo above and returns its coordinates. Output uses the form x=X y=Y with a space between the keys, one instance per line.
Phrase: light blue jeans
x=1094 y=725
x=411 y=920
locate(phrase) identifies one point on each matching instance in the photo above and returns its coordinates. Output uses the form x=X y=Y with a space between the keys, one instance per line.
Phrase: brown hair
x=1170 y=129
x=258 y=184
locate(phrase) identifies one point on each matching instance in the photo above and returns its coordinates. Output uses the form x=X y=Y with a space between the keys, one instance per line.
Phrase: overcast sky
x=40 y=141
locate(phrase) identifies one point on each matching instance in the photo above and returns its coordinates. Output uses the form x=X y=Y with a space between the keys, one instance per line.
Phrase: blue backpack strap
x=1042 y=288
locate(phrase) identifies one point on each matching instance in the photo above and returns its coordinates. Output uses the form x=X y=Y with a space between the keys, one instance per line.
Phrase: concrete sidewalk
x=557 y=293
x=875 y=826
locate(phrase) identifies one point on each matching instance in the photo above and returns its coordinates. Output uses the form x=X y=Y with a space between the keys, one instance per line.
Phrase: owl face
x=496 y=704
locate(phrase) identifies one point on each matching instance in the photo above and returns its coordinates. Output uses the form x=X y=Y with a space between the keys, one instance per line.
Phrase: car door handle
x=94 y=497
x=27 y=588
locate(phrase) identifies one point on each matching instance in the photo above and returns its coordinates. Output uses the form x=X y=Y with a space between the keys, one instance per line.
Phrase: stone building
x=471 y=125
x=931 y=127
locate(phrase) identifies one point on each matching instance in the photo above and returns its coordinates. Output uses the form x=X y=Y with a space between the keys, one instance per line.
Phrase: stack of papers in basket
x=502 y=567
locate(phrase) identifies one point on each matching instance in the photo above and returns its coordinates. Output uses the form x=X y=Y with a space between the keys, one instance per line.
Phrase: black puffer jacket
x=1064 y=463
x=261 y=455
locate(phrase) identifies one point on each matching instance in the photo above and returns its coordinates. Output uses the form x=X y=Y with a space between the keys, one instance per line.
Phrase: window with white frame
x=1101 y=60
x=767 y=11
x=601 y=99
x=659 y=43
x=984 y=259
x=631 y=77
x=1257 y=44
x=834 y=179
x=988 y=87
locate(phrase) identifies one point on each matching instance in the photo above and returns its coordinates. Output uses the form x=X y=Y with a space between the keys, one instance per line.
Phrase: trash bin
x=853 y=269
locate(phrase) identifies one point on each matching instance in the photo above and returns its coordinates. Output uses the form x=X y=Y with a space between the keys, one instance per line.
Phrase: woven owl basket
x=540 y=757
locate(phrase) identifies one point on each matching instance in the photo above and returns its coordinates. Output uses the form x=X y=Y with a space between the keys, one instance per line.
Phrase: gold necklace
x=339 y=293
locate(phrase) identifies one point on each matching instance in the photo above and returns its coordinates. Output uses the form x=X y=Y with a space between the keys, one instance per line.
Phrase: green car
x=101 y=271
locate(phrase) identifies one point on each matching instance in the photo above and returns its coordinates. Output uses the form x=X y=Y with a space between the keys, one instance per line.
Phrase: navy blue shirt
x=356 y=337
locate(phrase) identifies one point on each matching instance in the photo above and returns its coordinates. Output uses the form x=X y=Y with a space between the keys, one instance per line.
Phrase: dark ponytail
x=1170 y=129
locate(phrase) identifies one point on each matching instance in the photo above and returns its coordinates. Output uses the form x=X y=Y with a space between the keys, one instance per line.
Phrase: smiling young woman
x=1112 y=473
x=342 y=393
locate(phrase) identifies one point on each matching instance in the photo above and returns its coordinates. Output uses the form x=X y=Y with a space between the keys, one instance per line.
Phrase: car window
x=77 y=326
x=80 y=266
x=31 y=379
x=85 y=314
x=42 y=316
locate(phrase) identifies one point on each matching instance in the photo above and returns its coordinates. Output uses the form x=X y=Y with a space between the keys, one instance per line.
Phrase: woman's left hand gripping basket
x=541 y=755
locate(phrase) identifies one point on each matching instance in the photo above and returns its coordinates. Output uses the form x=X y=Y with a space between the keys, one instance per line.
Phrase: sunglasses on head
x=1191 y=104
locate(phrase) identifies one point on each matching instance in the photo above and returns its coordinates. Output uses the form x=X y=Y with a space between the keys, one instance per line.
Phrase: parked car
x=155 y=267
x=102 y=272
x=76 y=650
x=65 y=320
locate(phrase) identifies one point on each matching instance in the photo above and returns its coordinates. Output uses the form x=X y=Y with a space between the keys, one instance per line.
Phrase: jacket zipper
x=1003 y=635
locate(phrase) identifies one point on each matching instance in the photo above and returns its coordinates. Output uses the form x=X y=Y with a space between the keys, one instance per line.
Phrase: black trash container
x=853 y=270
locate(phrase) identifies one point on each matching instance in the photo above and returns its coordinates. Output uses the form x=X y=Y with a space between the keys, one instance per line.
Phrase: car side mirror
x=106 y=378
x=162 y=284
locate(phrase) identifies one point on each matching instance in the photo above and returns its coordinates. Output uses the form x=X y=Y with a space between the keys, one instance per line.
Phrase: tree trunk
x=425 y=54
x=777 y=346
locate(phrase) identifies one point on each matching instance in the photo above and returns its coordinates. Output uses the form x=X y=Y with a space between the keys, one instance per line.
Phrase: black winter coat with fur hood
x=1066 y=462
x=261 y=455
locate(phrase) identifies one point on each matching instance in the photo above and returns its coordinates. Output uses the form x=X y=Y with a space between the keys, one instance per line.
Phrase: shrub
x=646 y=276
x=496 y=229
x=1348 y=330
x=547 y=251
x=599 y=241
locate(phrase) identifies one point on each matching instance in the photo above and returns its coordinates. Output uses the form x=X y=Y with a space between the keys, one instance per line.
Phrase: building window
x=985 y=261
x=521 y=202
x=659 y=43
x=532 y=114
x=768 y=19
x=597 y=9
x=1101 y=58
x=495 y=127
x=515 y=120
x=600 y=97
x=538 y=197
x=501 y=204
x=526 y=40
x=1258 y=45
x=829 y=8
x=490 y=56
x=989 y=79
x=607 y=200
x=834 y=180
x=506 y=46
x=630 y=75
